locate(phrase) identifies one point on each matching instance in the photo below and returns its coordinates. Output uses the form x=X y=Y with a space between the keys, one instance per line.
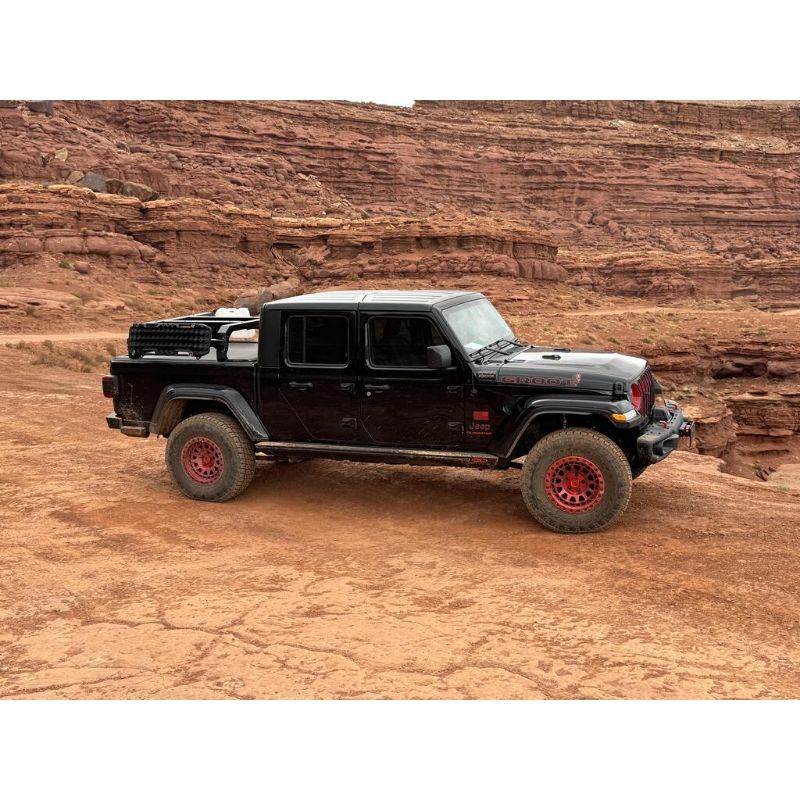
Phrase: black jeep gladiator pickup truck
x=401 y=377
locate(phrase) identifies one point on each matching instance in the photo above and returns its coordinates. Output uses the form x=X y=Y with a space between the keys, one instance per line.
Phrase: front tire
x=210 y=457
x=576 y=480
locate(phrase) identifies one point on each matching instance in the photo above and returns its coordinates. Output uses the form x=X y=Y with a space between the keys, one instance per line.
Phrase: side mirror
x=439 y=356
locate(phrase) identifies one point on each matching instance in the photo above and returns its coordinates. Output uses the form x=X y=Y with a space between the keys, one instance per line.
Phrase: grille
x=645 y=384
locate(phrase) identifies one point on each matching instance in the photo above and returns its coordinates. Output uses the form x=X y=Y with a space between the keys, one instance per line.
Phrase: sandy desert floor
x=331 y=580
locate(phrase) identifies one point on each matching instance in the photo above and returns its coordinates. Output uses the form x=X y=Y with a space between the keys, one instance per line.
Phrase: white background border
x=373 y=749
x=393 y=53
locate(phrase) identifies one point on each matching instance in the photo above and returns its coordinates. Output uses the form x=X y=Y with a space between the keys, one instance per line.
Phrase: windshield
x=476 y=324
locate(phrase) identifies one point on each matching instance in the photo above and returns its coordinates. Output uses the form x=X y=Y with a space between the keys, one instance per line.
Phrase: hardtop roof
x=382 y=299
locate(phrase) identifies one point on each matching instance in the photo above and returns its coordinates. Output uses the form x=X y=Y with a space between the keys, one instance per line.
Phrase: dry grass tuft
x=79 y=357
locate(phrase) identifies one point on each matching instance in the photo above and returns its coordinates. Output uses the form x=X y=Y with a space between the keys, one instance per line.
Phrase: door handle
x=348 y=387
x=377 y=387
x=301 y=385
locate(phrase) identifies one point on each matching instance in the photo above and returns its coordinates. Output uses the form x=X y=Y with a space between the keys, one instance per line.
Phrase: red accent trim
x=574 y=484
x=480 y=416
x=642 y=393
x=202 y=460
x=636 y=397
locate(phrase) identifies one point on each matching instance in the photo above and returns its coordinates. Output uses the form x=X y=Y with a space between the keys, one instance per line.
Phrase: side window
x=320 y=340
x=401 y=341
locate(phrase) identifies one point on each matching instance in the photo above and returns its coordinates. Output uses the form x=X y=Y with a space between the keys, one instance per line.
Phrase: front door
x=403 y=401
x=317 y=378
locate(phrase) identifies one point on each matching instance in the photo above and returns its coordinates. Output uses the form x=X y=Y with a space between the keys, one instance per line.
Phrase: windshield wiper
x=492 y=347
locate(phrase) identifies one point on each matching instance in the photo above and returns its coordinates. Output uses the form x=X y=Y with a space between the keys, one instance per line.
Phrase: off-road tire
x=607 y=493
x=210 y=457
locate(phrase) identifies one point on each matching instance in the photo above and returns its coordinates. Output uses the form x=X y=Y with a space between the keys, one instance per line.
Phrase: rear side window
x=401 y=341
x=321 y=340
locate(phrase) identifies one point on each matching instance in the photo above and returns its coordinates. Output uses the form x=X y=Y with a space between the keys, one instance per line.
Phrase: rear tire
x=210 y=457
x=576 y=480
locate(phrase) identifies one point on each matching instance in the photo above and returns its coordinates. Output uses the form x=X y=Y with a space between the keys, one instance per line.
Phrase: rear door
x=403 y=402
x=317 y=379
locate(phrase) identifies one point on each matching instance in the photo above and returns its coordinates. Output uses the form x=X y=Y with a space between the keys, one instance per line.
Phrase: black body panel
x=552 y=369
x=408 y=405
x=322 y=399
x=142 y=381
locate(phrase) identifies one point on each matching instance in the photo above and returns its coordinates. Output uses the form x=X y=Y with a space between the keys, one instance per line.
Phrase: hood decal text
x=542 y=380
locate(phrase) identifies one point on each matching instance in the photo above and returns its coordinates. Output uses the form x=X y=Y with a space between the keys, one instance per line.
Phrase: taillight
x=110 y=384
x=636 y=397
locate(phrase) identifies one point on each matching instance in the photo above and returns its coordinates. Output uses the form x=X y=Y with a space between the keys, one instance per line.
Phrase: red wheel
x=576 y=480
x=574 y=484
x=210 y=457
x=202 y=459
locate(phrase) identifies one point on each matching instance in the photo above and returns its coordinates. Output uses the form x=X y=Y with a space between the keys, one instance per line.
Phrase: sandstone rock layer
x=657 y=200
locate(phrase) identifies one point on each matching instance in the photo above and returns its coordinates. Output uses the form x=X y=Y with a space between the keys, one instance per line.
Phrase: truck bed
x=221 y=360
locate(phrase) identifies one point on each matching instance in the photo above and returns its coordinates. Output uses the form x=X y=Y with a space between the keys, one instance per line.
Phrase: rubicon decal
x=542 y=380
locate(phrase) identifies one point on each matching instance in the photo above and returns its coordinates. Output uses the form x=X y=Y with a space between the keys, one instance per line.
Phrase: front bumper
x=662 y=435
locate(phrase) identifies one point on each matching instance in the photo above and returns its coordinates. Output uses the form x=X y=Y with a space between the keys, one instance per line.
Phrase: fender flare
x=230 y=398
x=575 y=406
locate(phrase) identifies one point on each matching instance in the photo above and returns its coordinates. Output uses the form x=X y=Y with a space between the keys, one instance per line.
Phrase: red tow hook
x=687 y=429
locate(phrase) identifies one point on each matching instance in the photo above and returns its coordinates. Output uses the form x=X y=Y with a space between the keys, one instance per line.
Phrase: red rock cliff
x=652 y=199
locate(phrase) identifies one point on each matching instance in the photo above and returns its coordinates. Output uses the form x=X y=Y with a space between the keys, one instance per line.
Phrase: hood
x=539 y=366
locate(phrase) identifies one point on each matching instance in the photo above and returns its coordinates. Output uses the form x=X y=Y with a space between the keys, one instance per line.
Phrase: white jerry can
x=238 y=313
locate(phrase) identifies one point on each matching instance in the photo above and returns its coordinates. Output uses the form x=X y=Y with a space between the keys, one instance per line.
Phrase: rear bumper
x=128 y=427
x=662 y=435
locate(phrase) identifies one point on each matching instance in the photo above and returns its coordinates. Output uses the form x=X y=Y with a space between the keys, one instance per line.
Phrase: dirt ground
x=331 y=580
